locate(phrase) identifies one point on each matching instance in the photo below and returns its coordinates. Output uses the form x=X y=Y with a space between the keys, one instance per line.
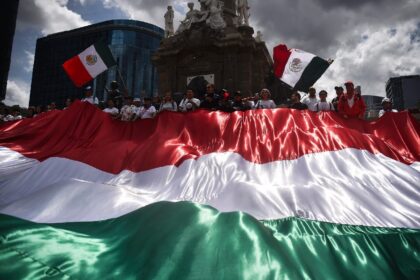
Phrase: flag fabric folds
x=297 y=68
x=84 y=67
x=263 y=194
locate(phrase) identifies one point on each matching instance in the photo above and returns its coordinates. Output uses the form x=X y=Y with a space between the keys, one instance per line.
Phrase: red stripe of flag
x=76 y=71
x=280 y=56
x=83 y=133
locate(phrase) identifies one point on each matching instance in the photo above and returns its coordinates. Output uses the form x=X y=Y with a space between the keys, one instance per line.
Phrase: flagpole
x=122 y=80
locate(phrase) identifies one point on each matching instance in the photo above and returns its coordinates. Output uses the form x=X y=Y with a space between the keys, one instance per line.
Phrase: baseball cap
x=386 y=100
x=349 y=83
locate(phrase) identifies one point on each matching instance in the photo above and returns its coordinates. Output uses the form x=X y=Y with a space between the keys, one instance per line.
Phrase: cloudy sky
x=370 y=40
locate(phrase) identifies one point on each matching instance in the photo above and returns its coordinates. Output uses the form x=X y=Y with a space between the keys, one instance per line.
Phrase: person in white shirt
x=323 y=105
x=137 y=103
x=168 y=104
x=89 y=96
x=265 y=102
x=13 y=116
x=189 y=103
x=128 y=111
x=147 y=111
x=110 y=109
x=310 y=99
x=386 y=107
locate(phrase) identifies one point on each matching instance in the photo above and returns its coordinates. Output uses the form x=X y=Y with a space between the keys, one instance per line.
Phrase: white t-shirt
x=184 y=102
x=310 y=102
x=382 y=112
x=324 y=106
x=350 y=101
x=148 y=113
x=112 y=111
x=168 y=106
x=251 y=104
x=9 y=118
x=91 y=100
x=127 y=112
x=265 y=104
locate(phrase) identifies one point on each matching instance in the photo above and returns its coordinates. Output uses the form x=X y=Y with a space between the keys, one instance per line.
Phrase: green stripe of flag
x=105 y=53
x=189 y=241
x=311 y=74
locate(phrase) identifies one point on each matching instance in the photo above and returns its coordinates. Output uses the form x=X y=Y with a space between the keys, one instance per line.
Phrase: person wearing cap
x=296 y=104
x=323 y=105
x=137 y=103
x=265 y=102
x=89 y=96
x=386 y=107
x=310 y=99
x=189 y=103
x=339 y=90
x=351 y=104
x=128 y=111
x=147 y=111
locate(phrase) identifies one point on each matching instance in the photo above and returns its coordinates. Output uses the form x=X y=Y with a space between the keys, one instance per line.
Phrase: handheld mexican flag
x=297 y=68
x=84 y=67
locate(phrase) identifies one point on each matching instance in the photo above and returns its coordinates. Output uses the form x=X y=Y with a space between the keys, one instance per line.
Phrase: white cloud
x=371 y=62
x=86 y=2
x=49 y=16
x=29 y=63
x=149 y=10
x=17 y=93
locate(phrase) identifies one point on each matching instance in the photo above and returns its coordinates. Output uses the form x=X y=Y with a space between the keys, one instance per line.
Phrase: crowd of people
x=348 y=103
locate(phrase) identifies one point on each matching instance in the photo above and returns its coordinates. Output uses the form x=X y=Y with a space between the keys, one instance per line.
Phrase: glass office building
x=132 y=44
x=404 y=91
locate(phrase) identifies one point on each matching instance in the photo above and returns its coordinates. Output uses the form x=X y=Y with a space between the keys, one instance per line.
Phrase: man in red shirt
x=351 y=104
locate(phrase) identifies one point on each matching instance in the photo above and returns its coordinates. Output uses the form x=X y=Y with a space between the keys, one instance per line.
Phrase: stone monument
x=210 y=47
x=169 y=22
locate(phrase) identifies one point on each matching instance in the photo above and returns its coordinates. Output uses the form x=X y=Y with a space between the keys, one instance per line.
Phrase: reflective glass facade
x=404 y=91
x=131 y=42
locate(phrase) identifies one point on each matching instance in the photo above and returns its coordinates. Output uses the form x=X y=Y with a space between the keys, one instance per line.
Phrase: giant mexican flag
x=265 y=194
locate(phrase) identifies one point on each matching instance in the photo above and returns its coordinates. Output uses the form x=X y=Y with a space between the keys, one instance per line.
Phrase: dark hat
x=339 y=88
x=348 y=83
x=88 y=88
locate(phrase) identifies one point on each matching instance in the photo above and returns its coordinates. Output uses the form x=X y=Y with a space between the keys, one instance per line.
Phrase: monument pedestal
x=231 y=59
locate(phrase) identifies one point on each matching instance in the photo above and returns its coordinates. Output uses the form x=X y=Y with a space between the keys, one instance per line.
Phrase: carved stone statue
x=212 y=11
x=243 y=12
x=191 y=17
x=169 y=22
x=259 y=37
x=215 y=19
